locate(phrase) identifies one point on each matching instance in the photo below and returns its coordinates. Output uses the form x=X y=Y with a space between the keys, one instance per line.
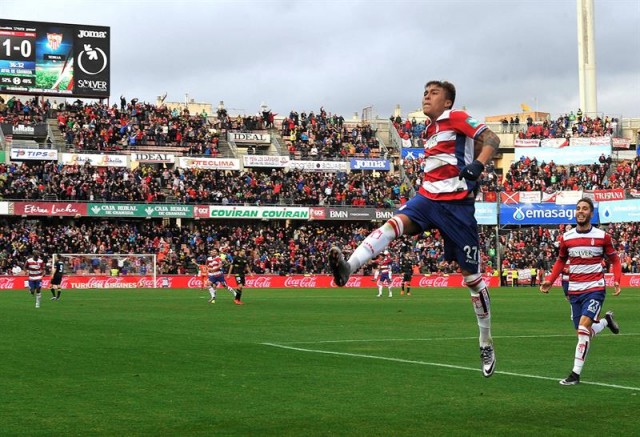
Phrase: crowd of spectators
x=35 y=180
x=38 y=180
x=409 y=130
x=100 y=127
x=16 y=112
x=245 y=123
x=323 y=136
x=530 y=175
x=274 y=247
x=565 y=126
x=279 y=248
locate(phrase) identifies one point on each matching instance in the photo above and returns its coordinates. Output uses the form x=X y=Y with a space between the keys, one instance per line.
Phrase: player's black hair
x=448 y=87
x=589 y=202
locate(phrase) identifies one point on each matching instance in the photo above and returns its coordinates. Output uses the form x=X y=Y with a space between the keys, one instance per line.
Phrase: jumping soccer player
x=456 y=151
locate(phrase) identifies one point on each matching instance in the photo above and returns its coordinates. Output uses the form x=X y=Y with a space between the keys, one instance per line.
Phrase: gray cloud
x=348 y=55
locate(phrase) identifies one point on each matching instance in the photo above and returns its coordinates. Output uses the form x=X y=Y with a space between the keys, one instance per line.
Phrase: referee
x=56 y=279
x=407 y=273
x=240 y=266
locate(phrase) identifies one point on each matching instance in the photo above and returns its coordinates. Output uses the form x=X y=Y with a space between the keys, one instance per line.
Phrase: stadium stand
x=275 y=246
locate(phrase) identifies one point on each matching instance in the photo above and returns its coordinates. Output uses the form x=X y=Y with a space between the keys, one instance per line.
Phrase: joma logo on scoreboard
x=91 y=34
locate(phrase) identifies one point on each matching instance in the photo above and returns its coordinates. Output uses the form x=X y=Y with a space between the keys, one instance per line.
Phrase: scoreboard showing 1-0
x=54 y=59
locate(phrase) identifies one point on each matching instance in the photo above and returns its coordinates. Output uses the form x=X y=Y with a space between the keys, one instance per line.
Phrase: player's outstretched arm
x=486 y=146
x=616 y=288
x=545 y=286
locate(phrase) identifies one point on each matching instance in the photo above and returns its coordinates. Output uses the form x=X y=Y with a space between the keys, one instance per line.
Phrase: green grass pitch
x=318 y=362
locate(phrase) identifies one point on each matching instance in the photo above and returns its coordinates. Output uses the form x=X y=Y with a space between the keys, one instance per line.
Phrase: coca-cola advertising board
x=253 y=281
x=72 y=282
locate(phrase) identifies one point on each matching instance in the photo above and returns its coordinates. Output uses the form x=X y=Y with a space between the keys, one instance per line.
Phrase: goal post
x=111 y=264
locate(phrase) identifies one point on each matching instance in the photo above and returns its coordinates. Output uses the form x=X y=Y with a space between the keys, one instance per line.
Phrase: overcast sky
x=347 y=55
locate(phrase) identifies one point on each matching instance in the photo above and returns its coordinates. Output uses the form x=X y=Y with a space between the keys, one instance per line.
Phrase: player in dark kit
x=56 y=279
x=240 y=266
x=407 y=272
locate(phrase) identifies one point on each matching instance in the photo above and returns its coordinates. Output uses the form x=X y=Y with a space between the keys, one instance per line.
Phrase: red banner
x=606 y=195
x=510 y=198
x=317 y=213
x=201 y=211
x=50 y=208
x=263 y=281
x=621 y=143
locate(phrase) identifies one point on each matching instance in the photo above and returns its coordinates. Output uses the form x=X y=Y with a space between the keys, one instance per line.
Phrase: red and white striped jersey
x=215 y=265
x=35 y=268
x=449 y=147
x=384 y=266
x=585 y=252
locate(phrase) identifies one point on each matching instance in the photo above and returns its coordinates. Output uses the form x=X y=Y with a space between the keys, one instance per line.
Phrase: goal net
x=114 y=264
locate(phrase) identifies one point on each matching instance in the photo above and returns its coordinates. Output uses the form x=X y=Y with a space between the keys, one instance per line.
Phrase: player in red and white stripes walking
x=35 y=269
x=584 y=248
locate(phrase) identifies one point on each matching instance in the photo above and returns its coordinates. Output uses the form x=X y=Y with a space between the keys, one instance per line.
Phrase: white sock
x=379 y=290
x=212 y=292
x=390 y=293
x=375 y=243
x=597 y=328
x=481 y=305
x=38 y=296
x=582 y=348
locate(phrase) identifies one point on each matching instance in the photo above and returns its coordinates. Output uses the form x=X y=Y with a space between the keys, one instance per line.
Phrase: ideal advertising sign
x=153 y=157
x=249 y=137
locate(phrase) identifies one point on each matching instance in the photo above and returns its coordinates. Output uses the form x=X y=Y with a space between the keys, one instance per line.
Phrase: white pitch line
x=373 y=340
x=448 y=366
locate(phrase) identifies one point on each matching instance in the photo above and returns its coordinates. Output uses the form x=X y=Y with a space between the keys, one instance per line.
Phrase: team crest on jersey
x=472 y=122
x=431 y=142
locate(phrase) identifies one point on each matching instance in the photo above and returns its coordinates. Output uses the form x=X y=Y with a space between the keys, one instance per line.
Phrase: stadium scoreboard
x=54 y=59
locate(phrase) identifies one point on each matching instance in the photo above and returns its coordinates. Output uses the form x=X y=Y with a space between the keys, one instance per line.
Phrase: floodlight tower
x=586 y=57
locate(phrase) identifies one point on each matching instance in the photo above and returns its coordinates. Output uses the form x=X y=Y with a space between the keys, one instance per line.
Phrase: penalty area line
x=447 y=366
